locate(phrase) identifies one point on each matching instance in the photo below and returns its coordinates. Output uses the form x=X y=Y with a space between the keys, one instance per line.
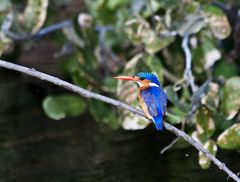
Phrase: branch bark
x=85 y=93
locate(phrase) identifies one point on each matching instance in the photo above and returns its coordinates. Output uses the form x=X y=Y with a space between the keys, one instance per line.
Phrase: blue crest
x=148 y=76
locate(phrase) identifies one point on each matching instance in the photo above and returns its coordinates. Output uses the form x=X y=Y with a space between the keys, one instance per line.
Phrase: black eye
x=141 y=78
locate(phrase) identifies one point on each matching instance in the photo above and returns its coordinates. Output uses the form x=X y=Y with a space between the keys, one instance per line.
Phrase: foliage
x=229 y=139
x=125 y=37
x=58 y=107
x=231 y=98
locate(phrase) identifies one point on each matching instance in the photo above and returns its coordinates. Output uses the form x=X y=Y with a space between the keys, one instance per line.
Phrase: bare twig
x=52 y=28
x=164 y=149
x=6 y=26
x=188 y=67
x=85 y=93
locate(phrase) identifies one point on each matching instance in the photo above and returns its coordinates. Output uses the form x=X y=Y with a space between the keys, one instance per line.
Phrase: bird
x=151 y=96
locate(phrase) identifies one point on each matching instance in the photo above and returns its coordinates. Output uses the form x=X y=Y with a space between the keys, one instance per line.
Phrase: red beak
x=130 y=78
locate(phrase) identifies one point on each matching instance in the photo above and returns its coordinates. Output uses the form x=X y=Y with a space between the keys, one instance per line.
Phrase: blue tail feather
x=158 y=122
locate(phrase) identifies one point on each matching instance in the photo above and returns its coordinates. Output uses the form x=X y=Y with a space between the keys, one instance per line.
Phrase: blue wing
x=155 y=100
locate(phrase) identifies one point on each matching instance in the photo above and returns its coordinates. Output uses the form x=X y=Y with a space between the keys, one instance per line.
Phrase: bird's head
x=143 y=79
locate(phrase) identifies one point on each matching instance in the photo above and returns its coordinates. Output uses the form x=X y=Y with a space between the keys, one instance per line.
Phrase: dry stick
x=85 y=93
x=164 y=149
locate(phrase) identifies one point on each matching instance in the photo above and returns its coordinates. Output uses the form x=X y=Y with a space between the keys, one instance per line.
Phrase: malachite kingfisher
x=151 y=96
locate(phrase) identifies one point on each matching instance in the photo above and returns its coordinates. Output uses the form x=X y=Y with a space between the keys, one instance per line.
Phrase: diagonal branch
x=85 y=93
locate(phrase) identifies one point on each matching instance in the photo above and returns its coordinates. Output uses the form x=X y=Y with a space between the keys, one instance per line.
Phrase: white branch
x=188 y=76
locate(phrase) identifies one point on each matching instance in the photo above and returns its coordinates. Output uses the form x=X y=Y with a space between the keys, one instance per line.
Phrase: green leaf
x=154 y=44
x=205 y=55
x=192 y=25
x=217 y=21
x=136 y=29
x=152 y=7
x=211 y=99
x=109 y=85
x=205 y=162
x=34 y=15
x=140 y=32
x=225 y=69
x=155 y=66
x=176 y=116
x=230 y=138
x=103 y=113
x=101 y=11
x=113 y=4
x=4 y=45
x=58 y=107
x=171 y=94
x=173 y=97
x=192 y=7
x=230 y=104
x=6 y=20
x=205 y=123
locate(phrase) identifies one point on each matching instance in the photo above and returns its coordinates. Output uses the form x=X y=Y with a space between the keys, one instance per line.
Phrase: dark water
x=34 y=148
